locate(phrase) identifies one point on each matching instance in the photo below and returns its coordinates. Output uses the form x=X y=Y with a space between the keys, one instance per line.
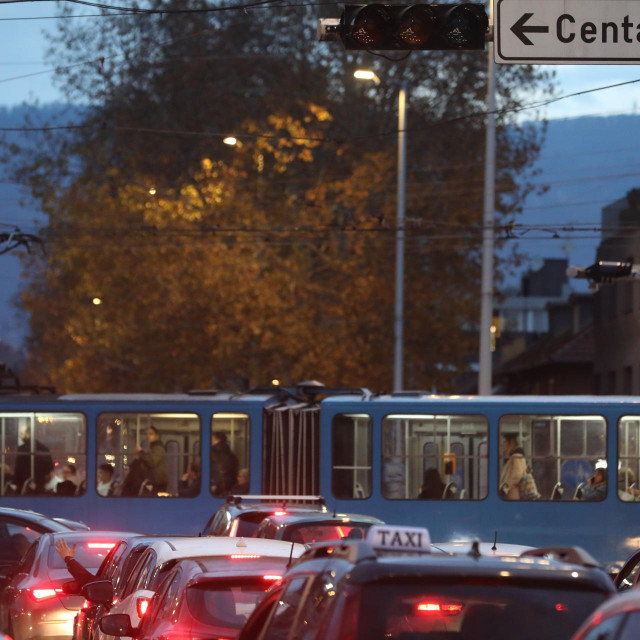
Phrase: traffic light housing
x=415 y=26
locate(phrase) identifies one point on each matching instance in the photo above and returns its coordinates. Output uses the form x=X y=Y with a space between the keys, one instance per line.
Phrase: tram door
x=291 y=448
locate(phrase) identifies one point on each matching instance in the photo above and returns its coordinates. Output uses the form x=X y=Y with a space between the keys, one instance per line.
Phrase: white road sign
x=567 y=31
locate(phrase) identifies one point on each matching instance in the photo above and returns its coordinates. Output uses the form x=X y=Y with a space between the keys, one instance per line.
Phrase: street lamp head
x=366 y=74
x=230 y=140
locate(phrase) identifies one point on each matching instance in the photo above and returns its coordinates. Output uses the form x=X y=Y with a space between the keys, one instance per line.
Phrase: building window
x=148 y=455
x=434 y=457
x=43 y=454
x=352 y=456
x=559 y=453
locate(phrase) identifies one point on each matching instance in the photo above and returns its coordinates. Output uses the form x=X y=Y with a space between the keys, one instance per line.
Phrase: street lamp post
x=398 y=312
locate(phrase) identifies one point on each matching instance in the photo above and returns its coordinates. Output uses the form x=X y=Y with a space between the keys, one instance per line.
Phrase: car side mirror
x=71 y=588
x=117 y=624
x=99 y=592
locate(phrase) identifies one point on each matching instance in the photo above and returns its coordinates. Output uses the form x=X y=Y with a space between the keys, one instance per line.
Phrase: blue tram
x=163 y=463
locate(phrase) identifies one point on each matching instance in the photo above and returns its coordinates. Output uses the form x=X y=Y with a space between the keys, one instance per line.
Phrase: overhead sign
x=567 y=31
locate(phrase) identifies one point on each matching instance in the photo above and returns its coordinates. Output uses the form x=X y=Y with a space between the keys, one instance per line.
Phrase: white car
x=158 y=559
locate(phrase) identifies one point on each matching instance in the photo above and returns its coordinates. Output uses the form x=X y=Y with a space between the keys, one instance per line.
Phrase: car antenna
x=495 y=541
x=335 y=508
x=290 y=555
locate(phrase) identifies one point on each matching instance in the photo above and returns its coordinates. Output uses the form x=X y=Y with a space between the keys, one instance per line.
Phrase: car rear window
x=249 y=522
x=227 y=605
x=473 y=610
x=89 y=553
x=309 y=532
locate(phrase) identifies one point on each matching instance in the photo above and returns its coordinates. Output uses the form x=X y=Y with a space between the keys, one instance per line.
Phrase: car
x=310 y=528
x=616 y=619
x=393 y=586
x=202 y=598
x=19 y=528
x=241 y=515
x=116 y=567
x=485 y=548
x=34 y=603
x=225 y=553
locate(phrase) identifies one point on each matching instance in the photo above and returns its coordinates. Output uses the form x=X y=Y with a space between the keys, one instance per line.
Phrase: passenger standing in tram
x=432 y=486
x=156 y=460
x=515 y=467
x=224 y=465
x=42 y=463
x=241 y=487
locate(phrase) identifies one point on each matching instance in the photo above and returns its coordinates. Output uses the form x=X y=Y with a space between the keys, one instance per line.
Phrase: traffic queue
x=276 y=568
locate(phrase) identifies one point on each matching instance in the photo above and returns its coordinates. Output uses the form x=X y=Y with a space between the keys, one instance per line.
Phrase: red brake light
x=438 y=607
x=271 y=577
x=244 y=556
x=142 y=606
x=561 y=607
x=85 y=605
x=279 y=513
x=43 y=593
x=101 y=545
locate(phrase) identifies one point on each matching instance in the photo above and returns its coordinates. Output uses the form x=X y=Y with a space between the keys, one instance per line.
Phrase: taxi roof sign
x=397 y=538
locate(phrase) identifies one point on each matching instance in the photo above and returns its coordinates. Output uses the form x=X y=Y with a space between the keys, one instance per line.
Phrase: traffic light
x=415 y=26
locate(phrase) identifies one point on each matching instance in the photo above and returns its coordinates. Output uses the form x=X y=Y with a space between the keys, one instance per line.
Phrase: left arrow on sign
x=519 y=29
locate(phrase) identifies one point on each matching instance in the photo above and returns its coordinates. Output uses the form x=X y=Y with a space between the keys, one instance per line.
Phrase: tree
x=270 y=259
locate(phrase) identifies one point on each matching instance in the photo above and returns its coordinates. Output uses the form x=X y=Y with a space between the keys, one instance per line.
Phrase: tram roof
x=221 y=396
x=404 y=397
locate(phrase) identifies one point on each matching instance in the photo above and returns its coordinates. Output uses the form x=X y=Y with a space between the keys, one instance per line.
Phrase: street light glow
x=366 y=74
x=230 y=140
x=97 y=301
x=152 y=191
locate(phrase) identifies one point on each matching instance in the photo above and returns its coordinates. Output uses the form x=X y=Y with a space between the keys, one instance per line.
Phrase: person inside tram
x=70 y=481
x=241 y=487
x=42 y=463
x=596 y=488
x=224 y=465
x=106 y=485
x=515 y=466
x=138 y=472
x=626 y=480
x=432 y=486
x=156 y=460
x=189 y=485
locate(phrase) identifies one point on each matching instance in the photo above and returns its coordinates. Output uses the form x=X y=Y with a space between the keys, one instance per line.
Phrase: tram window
x=43 y=454
x=629 y=459
x=148 y=455
x=561 y=457
x=229 y=454
x=434 y=457
x=352 y=456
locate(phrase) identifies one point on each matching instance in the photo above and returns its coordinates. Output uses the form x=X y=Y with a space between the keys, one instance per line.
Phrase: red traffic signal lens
x=466 y=24
x=415 y=25
x=370 y=26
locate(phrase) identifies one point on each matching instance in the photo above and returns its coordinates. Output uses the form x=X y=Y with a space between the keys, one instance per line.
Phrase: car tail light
x=244 y=556
x=279 y=513
x=85 y=605
x=142 y=606
x=44 y=593
x=271 y=577
x=438 y=607
x=101 y=545
x=561 y=607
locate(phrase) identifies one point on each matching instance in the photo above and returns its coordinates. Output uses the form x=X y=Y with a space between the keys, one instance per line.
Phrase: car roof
x=457 y=568
x=91 y=534
x=485 y=548
x=176 y=548
x=338 y=518
x=35 y=517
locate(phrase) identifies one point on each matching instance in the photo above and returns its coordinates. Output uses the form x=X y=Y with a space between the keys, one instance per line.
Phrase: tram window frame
x=622 y=463
x=477 y=458
x=353 y=452
x=147 y=418
x=554 y=454
x=246 y=454
x=37 y=419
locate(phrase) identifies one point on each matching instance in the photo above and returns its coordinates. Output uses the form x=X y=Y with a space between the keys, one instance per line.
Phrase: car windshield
x=480 y=611
x=309 y=532
x=89 y=553
x=227 y=605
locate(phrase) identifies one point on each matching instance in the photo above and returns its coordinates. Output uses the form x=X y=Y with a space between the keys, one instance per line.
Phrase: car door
x=11 y=591
x=16 y=536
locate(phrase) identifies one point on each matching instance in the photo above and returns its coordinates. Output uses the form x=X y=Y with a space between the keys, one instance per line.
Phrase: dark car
x=392 y=587
x=241 y=515
x=116 y=567
x=617 y=619
x=310 y=528
x=19 y=528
